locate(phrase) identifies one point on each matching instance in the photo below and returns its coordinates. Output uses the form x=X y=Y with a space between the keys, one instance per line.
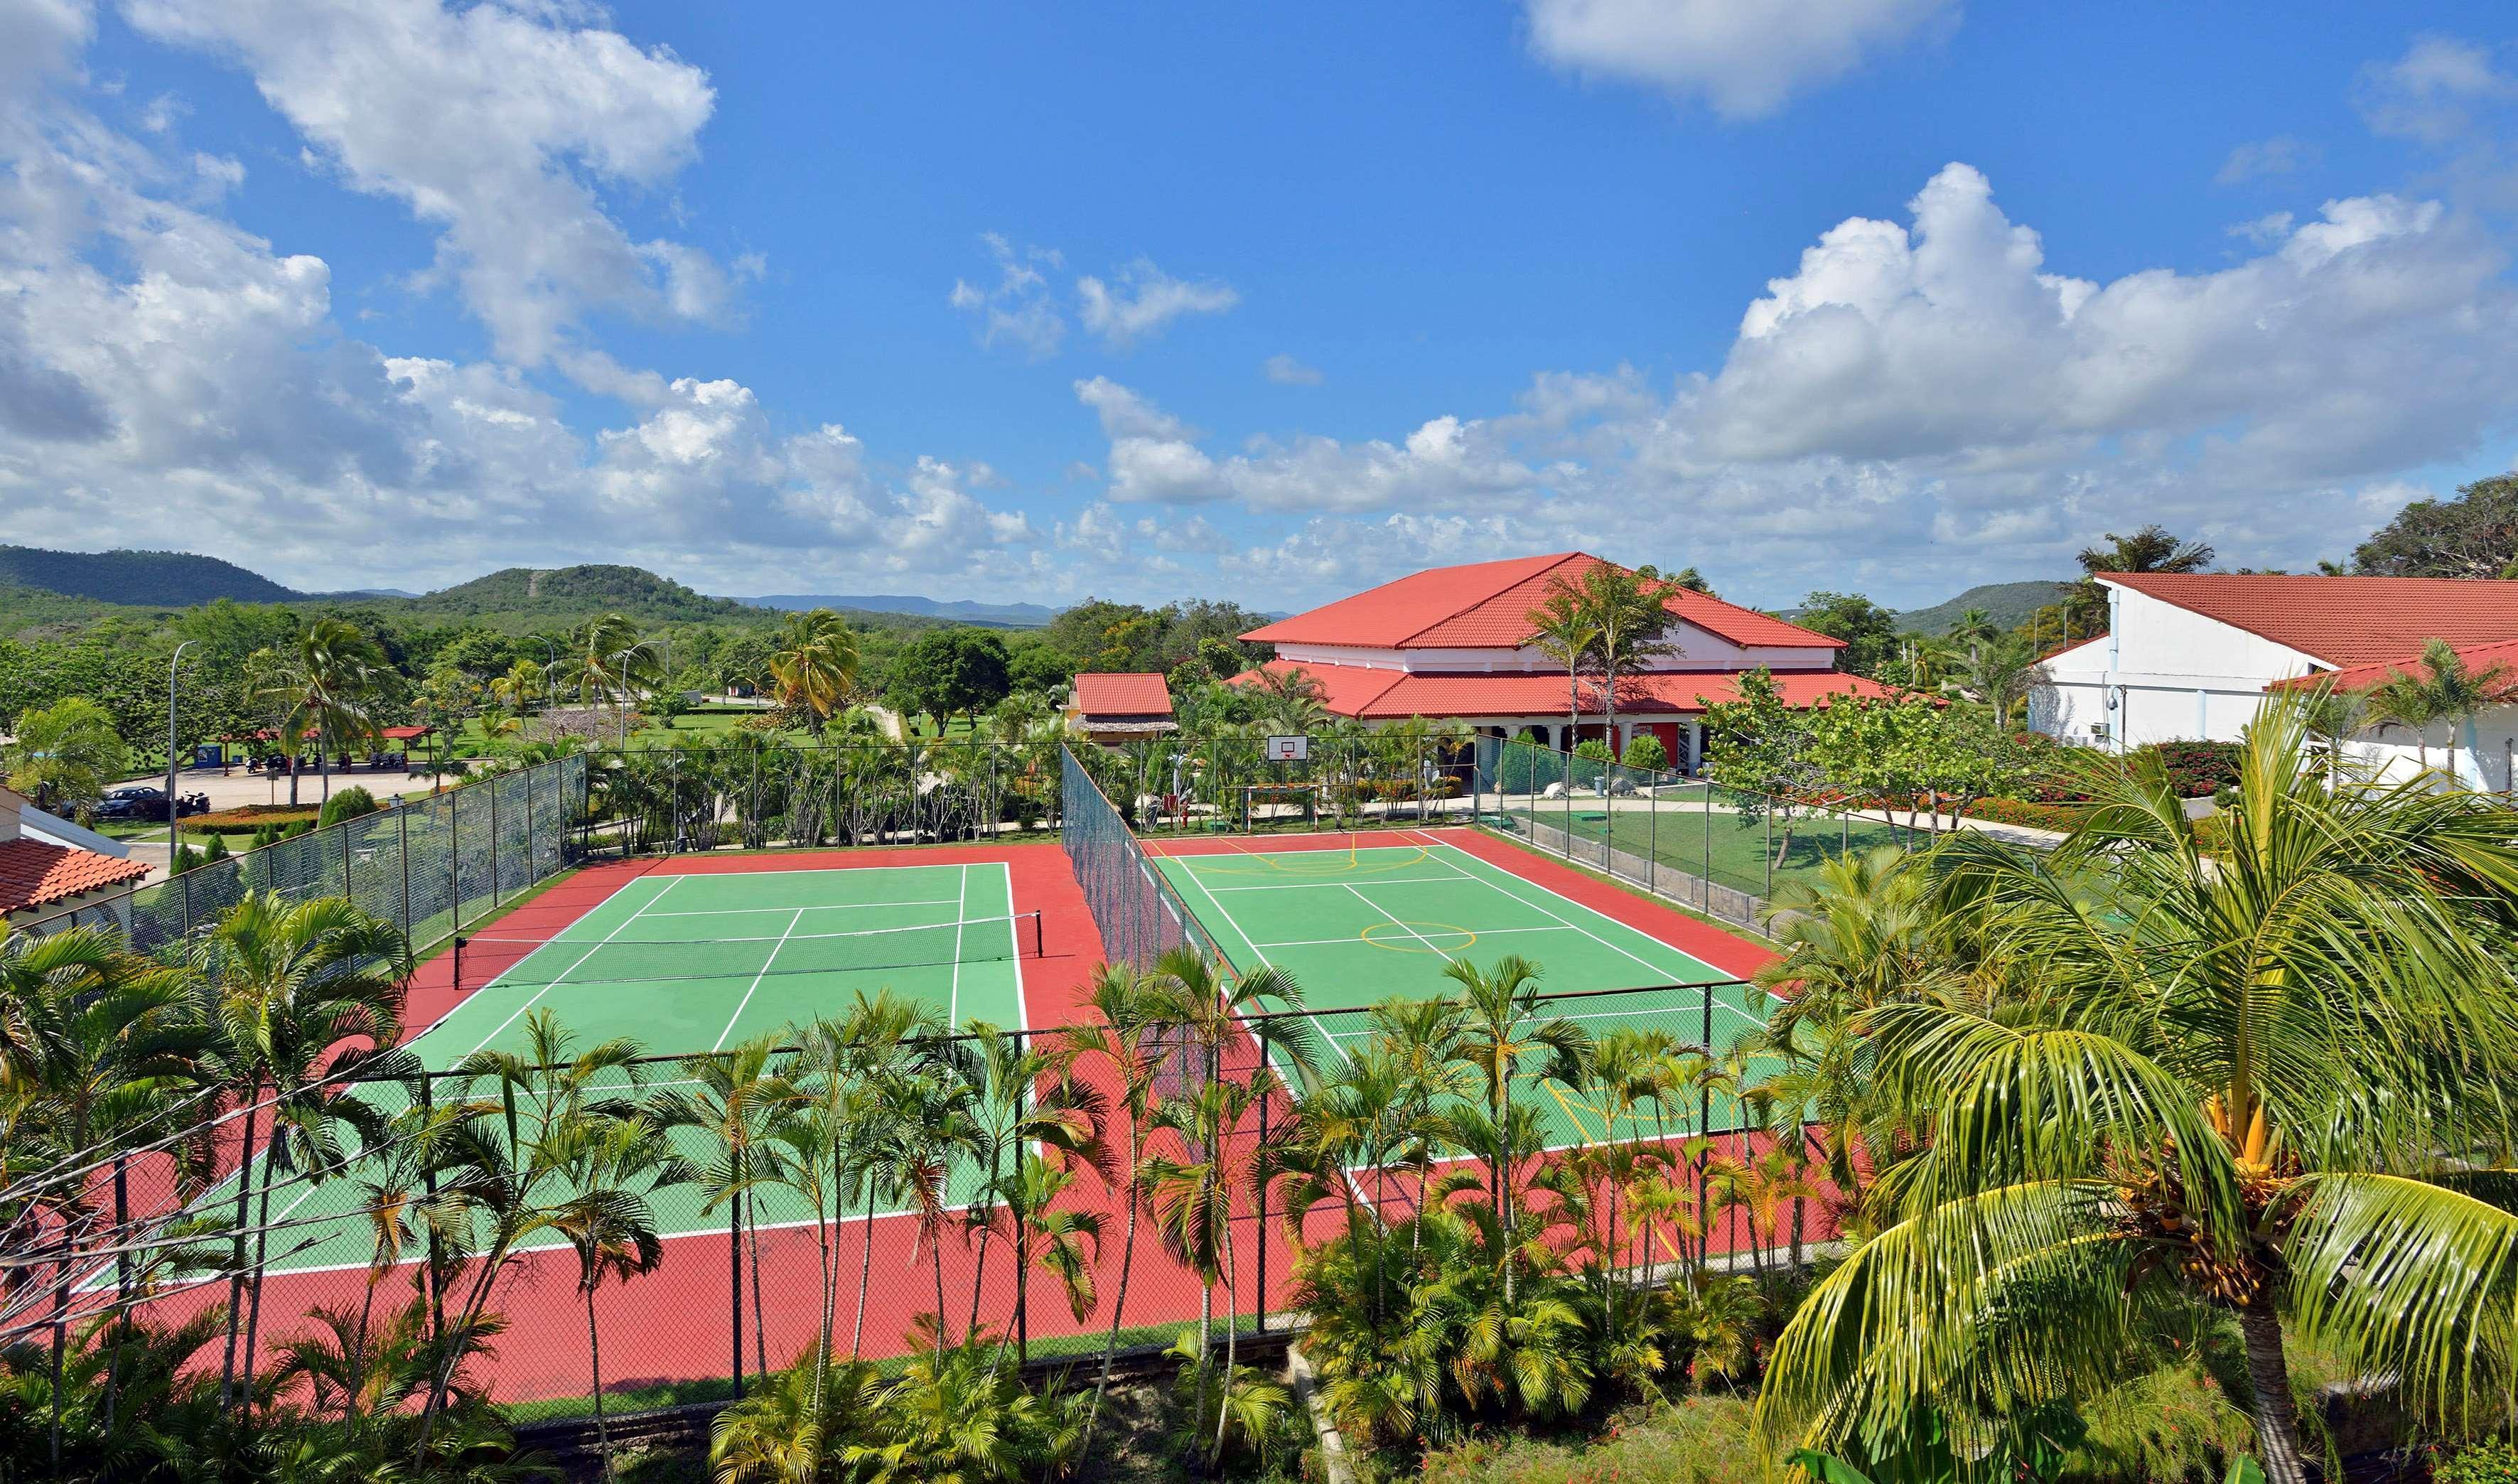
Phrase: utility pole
x=171 y=810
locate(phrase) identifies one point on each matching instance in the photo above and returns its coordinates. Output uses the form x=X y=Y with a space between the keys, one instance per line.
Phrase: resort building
x=1454 y=642
x=2190 y=656
x=1124 y=707
x=47 y=867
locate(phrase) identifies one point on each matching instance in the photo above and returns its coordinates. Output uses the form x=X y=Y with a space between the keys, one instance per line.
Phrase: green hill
x=138 y=579
x=2010 y=605
x=528 y=597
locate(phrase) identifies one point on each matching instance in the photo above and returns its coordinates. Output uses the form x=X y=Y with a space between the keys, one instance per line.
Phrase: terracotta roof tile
x=36 y=873
x=2344 y=621
x=1486 y=605
x=2358 y=678
x=1128 y=695
x=1376 y=695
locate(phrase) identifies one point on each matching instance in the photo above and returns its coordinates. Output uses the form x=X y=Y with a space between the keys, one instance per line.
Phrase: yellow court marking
x=1418 y=936
x=1338 y=864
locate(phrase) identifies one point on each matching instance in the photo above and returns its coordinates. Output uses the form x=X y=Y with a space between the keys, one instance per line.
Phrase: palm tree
x=735 y=1099
x=2442 y=687
x=301 y=996
x=65 y=754
x=1022 y=1097
x=813 y=665
x=607 y=663
x=1564 y=629
x=1501 y=1030
x=2265 y=1083
x=519 y=689
x=1290 y=699
x=1193 y=1202
x=2148 y=549
x=612 y=1164
x=1133 y=1037
x=1973 y=627
x=1061 y=1240
x=1630 y=618
x=328 y=686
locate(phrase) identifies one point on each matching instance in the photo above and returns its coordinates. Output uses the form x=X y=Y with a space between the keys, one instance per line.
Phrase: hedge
x=247 y=818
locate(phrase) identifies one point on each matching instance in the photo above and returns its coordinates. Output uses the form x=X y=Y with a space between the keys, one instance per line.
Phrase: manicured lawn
x=1731 y=848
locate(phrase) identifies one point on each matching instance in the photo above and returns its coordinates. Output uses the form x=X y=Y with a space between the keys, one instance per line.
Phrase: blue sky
x=1268 y=302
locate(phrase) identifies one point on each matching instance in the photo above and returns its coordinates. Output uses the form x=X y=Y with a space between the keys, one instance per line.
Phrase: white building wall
x=2481 y=753
x=2161 y=673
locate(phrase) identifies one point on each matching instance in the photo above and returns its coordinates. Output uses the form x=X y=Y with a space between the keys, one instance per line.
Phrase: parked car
x=141 y=803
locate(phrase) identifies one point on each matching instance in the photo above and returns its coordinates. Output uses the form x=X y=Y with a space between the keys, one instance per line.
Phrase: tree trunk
x=760 y=1339
x=594 y=1363
x=1231 y=1324
x=261 y=1255
x=2277 y=1418
x=865 y=1275
x=939 y=1241
x=324 y=769
x=245 y=1197
x=1127 y=1261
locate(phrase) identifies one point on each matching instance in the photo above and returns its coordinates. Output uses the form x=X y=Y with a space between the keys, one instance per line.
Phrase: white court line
x=962 y=910
x=1013 y=940
x=671 y=882
x=1401 y=925
x=1658 y=968
x=1332 y=882
x=828 y=906
x=733 y=1019
x=1314 y=942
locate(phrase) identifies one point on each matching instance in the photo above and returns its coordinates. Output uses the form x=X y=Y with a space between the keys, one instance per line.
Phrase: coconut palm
x=1501 y=1029
x=328 y=686
x=2442 y=687
x=1290 y=699
x=734 y=1099
x=2267 y=1083
x=607 y=663
x=1631 y=619
x=523 y=683
x=1564 y=629
x=301 y=995
x=65 y=754
x=612 y=1164
x=813 y=665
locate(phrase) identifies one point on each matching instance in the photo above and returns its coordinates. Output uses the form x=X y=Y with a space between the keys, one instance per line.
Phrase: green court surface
x=695 y=962
x=1357 y=925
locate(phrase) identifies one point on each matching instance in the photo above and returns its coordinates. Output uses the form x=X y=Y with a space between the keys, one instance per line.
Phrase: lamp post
x=171 y=809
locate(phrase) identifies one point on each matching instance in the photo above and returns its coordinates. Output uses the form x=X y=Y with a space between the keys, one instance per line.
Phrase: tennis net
x=513 y=962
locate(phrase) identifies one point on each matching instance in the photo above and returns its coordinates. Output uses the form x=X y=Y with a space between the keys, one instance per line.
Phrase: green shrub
x=184 y=859
x=2197 y=768
x=216 y=849
x=264 y=834
x=2036 y=815
x=1644 y=750
x=352 y=802
x=1592 y=749
x=2491 y=1461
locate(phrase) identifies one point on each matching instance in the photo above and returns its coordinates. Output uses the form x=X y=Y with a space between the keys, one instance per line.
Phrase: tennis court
x=1356 y=923
x=689 y=962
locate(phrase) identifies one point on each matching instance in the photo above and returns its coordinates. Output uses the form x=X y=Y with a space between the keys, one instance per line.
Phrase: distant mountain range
x=138 y=579
x=2009 y=604
x=962 y=610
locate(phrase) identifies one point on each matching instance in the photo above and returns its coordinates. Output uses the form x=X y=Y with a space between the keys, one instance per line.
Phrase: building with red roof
x=2192 y=655
x=1454 y=642
x=1122 y=707
x=41 y=877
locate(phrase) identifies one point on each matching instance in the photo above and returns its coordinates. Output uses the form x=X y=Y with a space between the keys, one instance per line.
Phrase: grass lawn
x=1694 y=1440
x=1730 y=848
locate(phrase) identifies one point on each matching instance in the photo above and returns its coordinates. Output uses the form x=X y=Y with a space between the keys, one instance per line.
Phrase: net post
x=456 y=965
x=734 y=1281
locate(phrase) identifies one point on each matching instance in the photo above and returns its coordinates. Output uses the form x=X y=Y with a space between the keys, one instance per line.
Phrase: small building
x=2188 y=656
x=1125 y=707
x=1454 y=642
x=2477 y=752
x=41 y=877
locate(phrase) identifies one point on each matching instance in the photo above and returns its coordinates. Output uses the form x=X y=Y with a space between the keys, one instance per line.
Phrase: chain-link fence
x=424 y=864
x=971 y=1216
x=756 y=791
x=1721 y=850
x=1345 y=780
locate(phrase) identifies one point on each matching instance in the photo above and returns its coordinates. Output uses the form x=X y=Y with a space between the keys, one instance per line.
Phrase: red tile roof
x=1375 y=695
x=1133 y=694
x=2358 y=678
x=36 y=873
x=1486 y=605
x=2344 y=621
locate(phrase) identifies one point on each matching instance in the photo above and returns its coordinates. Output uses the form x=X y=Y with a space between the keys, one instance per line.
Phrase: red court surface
x=678 y=1324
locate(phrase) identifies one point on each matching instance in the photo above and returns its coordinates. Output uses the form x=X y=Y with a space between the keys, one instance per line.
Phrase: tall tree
x=2148 y=549
x=1869 y=631
x=65 y=754
x=607 y=663
x=1631 y=616
x=1564 y=629
x=2473 y=535
x=2261 y=1082
x=614 y=1165
x=812 y=665
x=329 y=684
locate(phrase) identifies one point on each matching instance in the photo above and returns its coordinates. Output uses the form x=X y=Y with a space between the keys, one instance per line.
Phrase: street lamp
x=171 y=810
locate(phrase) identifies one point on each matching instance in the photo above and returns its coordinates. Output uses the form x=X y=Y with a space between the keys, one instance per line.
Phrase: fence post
x=454 y=861
x=349 y=889
x=734 y=1283
x=1705 y=1131
x=1705 y=883
x=1651 y=850
x=428 y=1182
x=1259 y=1162
x=493 y=842
x=401 y=828
x=1771 y=805
x=185 y=881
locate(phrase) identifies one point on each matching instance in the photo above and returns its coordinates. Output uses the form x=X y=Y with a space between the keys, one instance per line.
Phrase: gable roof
x=1486 y=605
x=36 y=873
x=1380 y=695
x=2358 y=678
x=2344 y=621
x=1134 y=693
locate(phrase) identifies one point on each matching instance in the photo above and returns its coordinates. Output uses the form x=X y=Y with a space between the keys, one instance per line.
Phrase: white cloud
x=1286 y=371
x=501 y=127
x=2264 y=158
x=2435 y=92
x=1016 y=310
x=1745 y=58
x=1142 y=300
